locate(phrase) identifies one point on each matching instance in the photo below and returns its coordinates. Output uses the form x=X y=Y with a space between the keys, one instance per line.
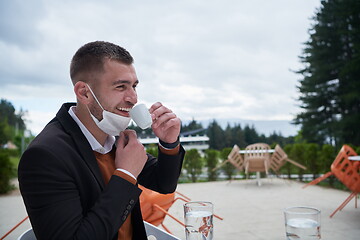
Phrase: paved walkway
x=252 y=212
x=12 y=211
x=249 y=211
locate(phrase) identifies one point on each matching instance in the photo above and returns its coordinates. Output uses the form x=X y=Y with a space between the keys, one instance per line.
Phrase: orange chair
x=155 y=206
x=347 y=171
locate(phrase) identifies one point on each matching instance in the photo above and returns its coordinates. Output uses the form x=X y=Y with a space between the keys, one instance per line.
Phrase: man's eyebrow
x=124 y=82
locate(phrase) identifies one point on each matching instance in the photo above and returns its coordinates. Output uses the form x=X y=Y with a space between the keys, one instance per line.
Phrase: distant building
x=189 y=142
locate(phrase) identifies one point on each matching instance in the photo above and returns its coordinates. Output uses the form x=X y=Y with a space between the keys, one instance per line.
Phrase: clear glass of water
x=302 y=223
x=198 y=220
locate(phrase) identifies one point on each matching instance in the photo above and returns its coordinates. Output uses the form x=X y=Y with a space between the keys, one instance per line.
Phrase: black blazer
x=64 y=192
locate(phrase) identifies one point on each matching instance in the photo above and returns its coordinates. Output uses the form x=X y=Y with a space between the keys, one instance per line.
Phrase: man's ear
x=82 y=92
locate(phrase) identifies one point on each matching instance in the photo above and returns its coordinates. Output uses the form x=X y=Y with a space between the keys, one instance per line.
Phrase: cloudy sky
x=205 y=59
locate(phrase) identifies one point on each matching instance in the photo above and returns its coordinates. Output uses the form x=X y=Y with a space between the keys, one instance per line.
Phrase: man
x=76 y=179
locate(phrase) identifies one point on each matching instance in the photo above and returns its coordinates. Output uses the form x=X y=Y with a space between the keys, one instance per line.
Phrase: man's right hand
x=130 y=153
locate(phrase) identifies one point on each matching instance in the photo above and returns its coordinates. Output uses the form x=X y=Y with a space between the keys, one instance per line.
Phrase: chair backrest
x=345 y=170
x=149 y=199
x=154 y=232
x=257 y=150
x=257 y=157
x=278 y=159
x=27 y=235
x=235 y=158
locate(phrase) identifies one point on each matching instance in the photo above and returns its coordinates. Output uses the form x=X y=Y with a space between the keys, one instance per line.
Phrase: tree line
x=242 y=136
x=12 y=124
x=12 y=127
x=316 y=157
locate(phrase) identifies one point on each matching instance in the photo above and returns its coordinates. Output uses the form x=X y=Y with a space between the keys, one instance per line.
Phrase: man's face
x=115 y=89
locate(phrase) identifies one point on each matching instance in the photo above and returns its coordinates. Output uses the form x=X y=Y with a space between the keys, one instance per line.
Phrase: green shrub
x=228 y=168
x=212 y=160
x=153 y=150
x=311 y=158
x=6 y=172
x=193 y=164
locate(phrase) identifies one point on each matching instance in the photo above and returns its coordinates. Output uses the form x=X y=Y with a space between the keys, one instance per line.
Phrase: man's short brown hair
x=90 y=58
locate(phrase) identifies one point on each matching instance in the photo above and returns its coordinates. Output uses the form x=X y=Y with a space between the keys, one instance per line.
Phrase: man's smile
x=124 y=111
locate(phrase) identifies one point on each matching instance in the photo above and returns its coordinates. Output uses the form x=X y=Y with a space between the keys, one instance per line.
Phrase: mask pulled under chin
x=112 y=123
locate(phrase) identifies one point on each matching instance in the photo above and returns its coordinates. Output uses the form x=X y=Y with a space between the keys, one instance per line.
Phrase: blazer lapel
x=80 y=140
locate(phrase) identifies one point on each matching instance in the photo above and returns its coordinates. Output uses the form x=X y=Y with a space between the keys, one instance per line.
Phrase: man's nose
x=131 y=96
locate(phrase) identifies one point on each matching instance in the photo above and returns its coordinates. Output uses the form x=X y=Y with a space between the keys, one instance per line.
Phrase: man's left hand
x=166 y=125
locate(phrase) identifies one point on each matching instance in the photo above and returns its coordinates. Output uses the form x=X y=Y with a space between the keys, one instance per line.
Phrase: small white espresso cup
x=141 y=116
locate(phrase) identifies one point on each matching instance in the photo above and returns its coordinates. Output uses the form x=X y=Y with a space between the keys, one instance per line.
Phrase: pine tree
x=216 y=135
x=330 y=85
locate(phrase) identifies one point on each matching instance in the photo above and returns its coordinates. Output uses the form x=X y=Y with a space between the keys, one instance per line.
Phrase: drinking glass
x=198 y=220
x=302 y=223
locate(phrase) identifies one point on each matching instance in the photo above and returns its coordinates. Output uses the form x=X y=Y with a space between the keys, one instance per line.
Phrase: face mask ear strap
x=94 y=96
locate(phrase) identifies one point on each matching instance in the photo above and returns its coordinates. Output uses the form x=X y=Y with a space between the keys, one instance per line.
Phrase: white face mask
x=111 y=123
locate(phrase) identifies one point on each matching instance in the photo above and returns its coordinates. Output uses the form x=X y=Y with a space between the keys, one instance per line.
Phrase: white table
x=354 y=158
x=258 y=151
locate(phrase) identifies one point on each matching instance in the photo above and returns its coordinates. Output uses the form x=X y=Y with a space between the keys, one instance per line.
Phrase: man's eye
x=120 y=87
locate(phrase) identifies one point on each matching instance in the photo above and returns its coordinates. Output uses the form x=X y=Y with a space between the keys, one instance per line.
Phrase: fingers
x=154 y=107
x=130 y=153
x=126 y=137
x=166 y=125
x=122 y=140
x=163 y=119
x=157 y=109
x=161 y=114
x=166 y=122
